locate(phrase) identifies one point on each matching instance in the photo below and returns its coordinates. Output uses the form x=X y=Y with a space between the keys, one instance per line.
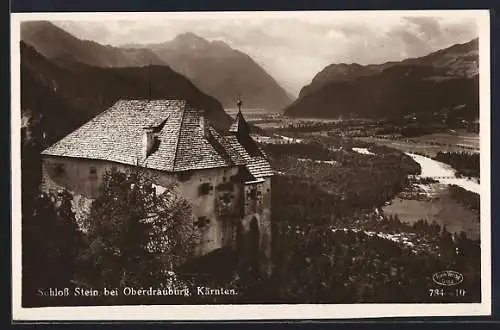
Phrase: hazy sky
x=292 y=47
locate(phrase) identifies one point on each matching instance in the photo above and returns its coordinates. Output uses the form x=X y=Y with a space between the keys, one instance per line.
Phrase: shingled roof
x=116 y=135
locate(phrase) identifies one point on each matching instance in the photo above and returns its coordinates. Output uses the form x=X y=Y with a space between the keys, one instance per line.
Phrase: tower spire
x=239 y=125
x=239 y=103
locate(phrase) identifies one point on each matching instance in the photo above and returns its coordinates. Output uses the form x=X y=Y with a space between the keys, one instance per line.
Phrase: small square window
x=202 y=222
x=204 y=189
x=184 y=176
x=59 y=169
x=92 y=172
x=253 y=194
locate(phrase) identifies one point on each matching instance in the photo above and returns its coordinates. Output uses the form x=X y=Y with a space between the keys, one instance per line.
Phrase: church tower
x=253 y=233
x=241 y=129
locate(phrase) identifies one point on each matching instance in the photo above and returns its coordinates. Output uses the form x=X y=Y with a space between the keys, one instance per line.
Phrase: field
x=438 y=205
x=276 y=120
x=462 y=138
x=430 y=144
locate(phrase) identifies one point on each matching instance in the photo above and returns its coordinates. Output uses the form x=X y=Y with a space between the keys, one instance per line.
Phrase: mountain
x=446 y=80
x=458 y=60
x=337 y=72
x=62 y=47
x=68 y=97
x=221 y=71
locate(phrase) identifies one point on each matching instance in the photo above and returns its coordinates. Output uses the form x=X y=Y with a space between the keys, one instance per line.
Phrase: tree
x=136 y=235
x=51 y=240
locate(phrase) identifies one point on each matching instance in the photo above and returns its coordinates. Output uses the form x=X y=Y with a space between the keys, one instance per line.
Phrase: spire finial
x=239 y=103
x=239 y=125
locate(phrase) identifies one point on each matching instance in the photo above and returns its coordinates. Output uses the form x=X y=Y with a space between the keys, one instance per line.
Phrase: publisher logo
x=448 y=278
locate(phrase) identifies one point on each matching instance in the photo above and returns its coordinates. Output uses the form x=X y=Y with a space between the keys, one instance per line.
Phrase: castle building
x=225 y=176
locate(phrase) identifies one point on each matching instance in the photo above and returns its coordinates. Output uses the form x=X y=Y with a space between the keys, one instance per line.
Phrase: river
x=438 y=170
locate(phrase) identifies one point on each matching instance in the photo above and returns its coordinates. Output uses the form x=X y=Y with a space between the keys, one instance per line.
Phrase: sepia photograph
x=250 y=165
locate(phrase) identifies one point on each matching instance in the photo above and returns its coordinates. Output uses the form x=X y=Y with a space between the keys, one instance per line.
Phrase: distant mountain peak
x=343 y=64
x=190 y=39
x=213 y=66
x=221 y=44
x=221 y=71
x=39 y=24
x=188 y=35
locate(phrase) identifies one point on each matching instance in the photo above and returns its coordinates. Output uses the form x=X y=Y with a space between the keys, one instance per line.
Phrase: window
x=226 y=186
x=205 y=188
x=235 y=178
x=202 y=222
x=184 y=176
x=253 y=194
x=226 y=198
x=58 y=169
x=92 y=173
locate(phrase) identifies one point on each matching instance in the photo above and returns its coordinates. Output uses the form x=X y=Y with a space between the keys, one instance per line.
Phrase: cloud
x=293 y=48
x=421 y=35
x=427 y=27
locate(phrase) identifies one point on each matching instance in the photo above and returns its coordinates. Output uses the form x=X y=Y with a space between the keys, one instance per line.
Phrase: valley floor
x=354 y=221
x=430 y=144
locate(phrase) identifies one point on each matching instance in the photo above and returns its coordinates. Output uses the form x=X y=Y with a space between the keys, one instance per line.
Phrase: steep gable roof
x=239 y=125
x=117 y=135
x=256 y=163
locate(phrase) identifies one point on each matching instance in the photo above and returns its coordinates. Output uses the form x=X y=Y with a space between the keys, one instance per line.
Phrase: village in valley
x=145 y=182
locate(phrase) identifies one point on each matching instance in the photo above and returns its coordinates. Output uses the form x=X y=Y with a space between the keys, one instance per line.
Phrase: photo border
x=254 y=312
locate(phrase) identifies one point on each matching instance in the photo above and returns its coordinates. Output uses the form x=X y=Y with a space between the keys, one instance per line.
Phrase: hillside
x=62 y=47
x=393 y=93
x=221 y=71
x=68 y=97
x=445 y=80
x=457 y=60
x=337 y=72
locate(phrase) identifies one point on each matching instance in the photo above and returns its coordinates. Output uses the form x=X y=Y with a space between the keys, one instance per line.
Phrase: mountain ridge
x=68 y=96
x=441 y=81
x=352 y=71
x=221 y=71
x=55 y=44
x=213 y=66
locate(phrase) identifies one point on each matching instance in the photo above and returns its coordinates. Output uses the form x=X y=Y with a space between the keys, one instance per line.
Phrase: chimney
x=149 y=139
x=204 y=124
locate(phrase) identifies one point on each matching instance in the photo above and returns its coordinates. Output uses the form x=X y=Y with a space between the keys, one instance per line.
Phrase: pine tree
x=51 y=241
